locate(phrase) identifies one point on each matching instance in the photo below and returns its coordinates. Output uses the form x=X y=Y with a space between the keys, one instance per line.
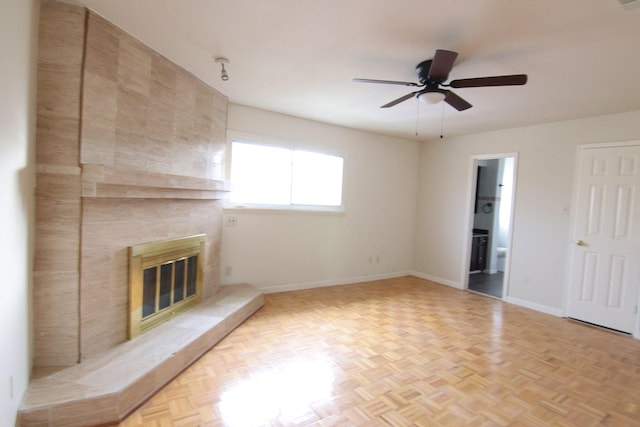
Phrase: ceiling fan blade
x=512 y=80
x=456 y=102
x=399 y=100
x=386 y=82
x=442 y=64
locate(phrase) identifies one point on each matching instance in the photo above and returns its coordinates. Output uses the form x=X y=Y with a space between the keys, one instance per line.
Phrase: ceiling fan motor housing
x=423 y=69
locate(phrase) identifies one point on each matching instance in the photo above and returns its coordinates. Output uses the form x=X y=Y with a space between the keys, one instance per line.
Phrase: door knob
x=580 y=243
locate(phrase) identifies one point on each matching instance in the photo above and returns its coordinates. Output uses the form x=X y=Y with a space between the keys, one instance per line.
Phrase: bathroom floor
x=489 y=284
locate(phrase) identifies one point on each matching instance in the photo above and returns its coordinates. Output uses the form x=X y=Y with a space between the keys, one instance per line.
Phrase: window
x=284 y=178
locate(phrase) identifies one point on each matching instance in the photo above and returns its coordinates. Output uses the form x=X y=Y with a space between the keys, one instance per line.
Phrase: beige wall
x=18 y=37
x=126 y=154
x=543 y=203
x=372 y=239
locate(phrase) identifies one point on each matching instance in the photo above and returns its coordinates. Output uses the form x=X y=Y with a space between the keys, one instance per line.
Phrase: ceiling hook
x=223 y=73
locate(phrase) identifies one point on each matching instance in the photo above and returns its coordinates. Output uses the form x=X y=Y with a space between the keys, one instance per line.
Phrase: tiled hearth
x=102 y=390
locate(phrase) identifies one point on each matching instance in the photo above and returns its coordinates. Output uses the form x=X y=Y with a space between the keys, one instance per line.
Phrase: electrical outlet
x=231 y=221
x=227 y=271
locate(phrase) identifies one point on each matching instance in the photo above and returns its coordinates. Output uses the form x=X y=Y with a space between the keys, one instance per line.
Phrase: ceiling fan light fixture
x=431 y=97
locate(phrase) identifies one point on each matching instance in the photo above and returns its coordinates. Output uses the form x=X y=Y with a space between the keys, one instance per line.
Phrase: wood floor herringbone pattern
x=404 y=352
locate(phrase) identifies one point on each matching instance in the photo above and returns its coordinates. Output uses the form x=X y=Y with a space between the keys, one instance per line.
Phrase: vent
x=630 y=4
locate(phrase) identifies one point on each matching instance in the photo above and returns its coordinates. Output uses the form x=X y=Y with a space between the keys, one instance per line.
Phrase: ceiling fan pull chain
x=442 y=122
x=417 y=116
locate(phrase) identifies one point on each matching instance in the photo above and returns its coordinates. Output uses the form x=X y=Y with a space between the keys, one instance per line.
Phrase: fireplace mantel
x=102 y=181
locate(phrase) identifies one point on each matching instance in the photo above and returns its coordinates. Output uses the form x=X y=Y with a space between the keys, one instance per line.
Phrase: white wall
x=280 y=251
x=541 y=228
x=18 y=38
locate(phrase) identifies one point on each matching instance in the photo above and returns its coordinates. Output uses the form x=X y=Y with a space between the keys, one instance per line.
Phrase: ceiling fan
x=432 y=74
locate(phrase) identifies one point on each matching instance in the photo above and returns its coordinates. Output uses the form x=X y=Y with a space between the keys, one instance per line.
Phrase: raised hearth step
x=104 y=389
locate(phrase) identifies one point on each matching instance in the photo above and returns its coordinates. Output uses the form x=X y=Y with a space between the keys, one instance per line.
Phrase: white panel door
x=605 y=274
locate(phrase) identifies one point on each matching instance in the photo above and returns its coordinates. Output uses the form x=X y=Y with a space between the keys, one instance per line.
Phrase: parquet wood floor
x=404 y=352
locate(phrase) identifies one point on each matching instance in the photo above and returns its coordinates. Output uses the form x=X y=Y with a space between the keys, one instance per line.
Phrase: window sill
x=296 y=210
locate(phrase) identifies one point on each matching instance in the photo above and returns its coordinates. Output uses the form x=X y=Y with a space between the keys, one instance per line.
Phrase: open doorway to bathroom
x=490 y=234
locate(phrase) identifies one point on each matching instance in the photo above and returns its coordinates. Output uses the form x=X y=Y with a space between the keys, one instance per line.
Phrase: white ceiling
x=298 y=56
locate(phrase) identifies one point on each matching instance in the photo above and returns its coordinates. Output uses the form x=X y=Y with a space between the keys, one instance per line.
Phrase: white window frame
x=268 y=141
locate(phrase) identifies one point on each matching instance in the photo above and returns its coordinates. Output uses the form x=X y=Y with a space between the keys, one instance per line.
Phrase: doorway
x=490 y=224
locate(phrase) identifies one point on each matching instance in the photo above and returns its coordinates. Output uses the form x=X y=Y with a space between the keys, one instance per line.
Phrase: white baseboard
x=537 y=307
x=359 y=279
x=517 y=301
x=334 y=282
x=436 y=279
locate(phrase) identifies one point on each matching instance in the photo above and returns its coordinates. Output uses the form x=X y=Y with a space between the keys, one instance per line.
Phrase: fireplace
x=126 y=153
x=165 y=278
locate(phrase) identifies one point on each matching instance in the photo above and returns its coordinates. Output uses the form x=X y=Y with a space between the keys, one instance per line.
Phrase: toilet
x=501 y=252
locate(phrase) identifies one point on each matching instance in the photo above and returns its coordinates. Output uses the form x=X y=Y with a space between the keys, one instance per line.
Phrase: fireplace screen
x=165 y=278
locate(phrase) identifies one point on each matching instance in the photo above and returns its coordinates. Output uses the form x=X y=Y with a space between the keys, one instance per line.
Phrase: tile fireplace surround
x=128 y=149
